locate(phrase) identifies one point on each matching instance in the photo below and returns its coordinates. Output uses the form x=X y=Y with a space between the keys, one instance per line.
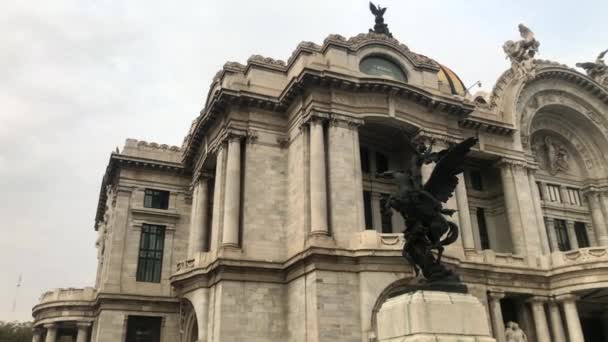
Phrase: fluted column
x=198 y=216
x=83 y=332
x=462 y=201
x=550 y=224
x=599 y=224
x=498 y=324
x=36 y=335
x=318 y=181
x=51 y=332
x=575 y=331
x=512 y=208
x=557 y=327
x=540 y=222
x=232 y=199
x=540 y=319
x=571 y=234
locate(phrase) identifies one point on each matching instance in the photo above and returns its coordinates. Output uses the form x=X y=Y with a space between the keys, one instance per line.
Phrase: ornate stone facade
x=270 y=210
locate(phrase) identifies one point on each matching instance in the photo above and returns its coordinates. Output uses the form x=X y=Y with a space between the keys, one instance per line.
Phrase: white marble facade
x=271 y=229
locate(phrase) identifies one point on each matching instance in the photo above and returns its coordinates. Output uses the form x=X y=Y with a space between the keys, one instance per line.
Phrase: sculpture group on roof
x=597 y=70
x=521 y=53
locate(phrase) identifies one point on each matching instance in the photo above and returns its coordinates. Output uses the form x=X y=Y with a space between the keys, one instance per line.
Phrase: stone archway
x=189 y=327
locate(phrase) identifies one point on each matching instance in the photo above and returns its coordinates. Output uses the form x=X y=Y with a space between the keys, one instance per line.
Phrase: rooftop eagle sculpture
x=380 y=26
x=421 y=205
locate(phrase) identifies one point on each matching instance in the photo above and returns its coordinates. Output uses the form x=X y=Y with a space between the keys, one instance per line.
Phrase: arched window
x=380 y=66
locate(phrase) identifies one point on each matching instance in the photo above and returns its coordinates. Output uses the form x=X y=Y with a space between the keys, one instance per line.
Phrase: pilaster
x=498 y=325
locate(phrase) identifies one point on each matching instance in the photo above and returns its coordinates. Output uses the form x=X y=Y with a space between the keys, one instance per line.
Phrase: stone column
x=540 y=319
x=544 y=191
x=575 y=331
x=51 y=332
x=462 y=202
x=538 y=210
x=498 y=324
x=557 y=327
x=83 y=332
x=599 y=224
x=318 y=181
x=198 y=216
x=564 y=193
x=232 y=198
x=36 y=334
x=512 y=209
x=550 y=224
x=358 y=177
x=571 y=234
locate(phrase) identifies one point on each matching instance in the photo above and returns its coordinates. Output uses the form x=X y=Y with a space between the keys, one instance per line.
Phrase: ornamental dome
x=450 y=82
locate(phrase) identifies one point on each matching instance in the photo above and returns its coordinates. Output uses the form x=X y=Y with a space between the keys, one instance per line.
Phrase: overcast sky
x=79 y=77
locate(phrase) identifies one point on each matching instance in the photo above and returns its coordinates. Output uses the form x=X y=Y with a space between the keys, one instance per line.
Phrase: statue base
x=425 y=316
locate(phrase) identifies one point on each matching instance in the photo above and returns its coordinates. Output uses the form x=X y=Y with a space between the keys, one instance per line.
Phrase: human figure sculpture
x=598 y=70
x=514 y=334
x=421 y=206
x=521 y=53
x=380 y=26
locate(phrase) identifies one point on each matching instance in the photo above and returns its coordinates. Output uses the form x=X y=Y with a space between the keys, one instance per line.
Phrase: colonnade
x=52 y=332
x=546 y=331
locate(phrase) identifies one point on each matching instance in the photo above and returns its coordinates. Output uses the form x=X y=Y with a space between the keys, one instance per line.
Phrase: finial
x=380 y=26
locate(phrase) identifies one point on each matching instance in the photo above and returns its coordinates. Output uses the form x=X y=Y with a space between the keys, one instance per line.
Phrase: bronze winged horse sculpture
x=421 y=205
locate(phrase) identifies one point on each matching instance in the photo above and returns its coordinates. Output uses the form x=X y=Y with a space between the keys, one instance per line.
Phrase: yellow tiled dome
x=448 y=78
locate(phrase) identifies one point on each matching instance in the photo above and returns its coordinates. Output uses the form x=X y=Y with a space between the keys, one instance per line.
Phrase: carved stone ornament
x=551 y=155
x=598 y=71
x=521 y=53
x=513 y=333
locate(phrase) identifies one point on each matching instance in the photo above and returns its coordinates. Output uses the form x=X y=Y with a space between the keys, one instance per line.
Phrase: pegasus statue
x=421 y=205
x=597 y=70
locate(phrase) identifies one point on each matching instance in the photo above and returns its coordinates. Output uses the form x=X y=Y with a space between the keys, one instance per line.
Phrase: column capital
x=511 y=163
x=496 y=295
x=537 y=299
x=567 y=297
x=83 y=325
x=345 y=121
x=50 y=326
x=314 y=117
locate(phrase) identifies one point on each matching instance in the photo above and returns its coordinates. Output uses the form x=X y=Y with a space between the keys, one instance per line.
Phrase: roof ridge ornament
x=380 y=26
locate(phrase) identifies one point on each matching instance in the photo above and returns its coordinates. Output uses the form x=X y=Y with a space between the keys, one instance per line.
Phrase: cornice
x=224 y=97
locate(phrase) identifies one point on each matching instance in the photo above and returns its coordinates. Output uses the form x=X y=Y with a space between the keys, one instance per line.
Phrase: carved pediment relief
x=550 y=154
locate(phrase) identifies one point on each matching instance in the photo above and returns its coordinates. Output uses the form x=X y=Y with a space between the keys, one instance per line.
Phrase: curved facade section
x=265 y=224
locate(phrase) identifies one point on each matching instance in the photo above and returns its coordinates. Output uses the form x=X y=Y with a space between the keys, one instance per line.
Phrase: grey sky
x=78 y=77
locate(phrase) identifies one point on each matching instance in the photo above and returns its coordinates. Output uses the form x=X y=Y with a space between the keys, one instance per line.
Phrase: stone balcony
x=86 y=294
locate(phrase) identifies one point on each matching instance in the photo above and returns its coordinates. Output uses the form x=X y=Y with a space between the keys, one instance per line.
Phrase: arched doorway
x=190 y=324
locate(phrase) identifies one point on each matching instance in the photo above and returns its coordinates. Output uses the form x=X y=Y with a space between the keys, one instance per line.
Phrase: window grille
x=157 y=199
x=151 y=245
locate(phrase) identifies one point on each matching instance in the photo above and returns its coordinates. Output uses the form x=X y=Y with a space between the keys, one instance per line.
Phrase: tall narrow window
x=381 y=162
x=540 y=191
x=157 y=199
x=476 y=180
x=554 y=193
x=367 y=208
x=364 y=159
x=563 y=243
x=581 y=235
x=151 y=245
x=484 y=239
x=387 y=223
x=574 y=196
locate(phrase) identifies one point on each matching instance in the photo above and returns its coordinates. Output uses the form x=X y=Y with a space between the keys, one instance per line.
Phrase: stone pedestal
x=423 y=316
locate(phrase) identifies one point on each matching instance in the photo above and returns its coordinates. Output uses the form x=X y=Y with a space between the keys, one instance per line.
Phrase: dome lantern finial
x=380 y=26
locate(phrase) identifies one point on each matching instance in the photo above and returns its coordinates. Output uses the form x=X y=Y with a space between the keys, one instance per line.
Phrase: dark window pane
x=581 y=235
x=483 y=228
x=367 y=207
x=540 y=191
x=364 y=160
x=476 y=180
x=157 y=199
x=387 y=223
x=381 y=162
x=143 y=329
x=563 y=243
x=149 y=264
